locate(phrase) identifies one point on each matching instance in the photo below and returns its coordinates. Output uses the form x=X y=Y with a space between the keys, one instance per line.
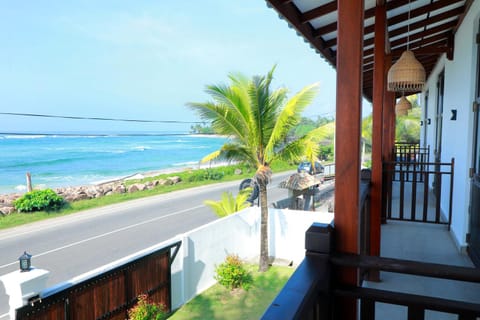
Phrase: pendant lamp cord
x=408 y=27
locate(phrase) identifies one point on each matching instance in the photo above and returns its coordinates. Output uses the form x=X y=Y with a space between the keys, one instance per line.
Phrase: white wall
x=460 y=77
x=204 y=248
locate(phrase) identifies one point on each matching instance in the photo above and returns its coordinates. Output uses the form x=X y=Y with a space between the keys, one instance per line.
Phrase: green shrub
x=233 y=274
x=206 y=174
x=39 y=200
x=146 y=310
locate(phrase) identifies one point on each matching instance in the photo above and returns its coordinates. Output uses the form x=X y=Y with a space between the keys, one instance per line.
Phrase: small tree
x=232 y=273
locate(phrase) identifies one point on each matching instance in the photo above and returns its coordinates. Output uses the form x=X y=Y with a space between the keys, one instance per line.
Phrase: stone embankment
x=72 y=194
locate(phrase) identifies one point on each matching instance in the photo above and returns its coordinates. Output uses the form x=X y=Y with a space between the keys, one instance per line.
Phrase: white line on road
x=106 y=234
x=4 y=315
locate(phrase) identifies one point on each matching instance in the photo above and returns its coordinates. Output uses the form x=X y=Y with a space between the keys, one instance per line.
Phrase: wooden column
x=379 y=87
x=347 y=141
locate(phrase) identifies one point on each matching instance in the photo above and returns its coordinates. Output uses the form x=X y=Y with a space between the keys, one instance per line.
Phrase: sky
x=142 y=60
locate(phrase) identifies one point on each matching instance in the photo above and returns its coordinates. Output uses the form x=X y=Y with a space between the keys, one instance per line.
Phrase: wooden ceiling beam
x=318 y=12
x=369 y=13
x=403 y=30
x=435 y=49
x=421 y=41
x=424 y=35
x=418 y=35
x=420 y=11
x=438 y=40
x=291 y=13
x=422 y=24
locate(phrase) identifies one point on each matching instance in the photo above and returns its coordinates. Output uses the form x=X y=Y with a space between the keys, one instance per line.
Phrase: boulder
x=136 y=187
x=175 y=179
x=7 y=210
x=120 y=189
x=162 y=182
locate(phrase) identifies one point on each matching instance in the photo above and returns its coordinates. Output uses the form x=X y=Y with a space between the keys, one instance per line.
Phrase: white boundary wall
x=205 y=247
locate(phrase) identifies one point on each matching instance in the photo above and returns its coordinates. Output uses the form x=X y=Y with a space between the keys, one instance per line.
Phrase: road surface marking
x=106 y=234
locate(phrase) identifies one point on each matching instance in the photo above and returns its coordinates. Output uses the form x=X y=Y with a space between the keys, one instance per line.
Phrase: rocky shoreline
x=100 y=189
x=72 y=194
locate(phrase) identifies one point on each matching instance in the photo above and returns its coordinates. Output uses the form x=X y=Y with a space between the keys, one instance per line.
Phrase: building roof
x=427 y=27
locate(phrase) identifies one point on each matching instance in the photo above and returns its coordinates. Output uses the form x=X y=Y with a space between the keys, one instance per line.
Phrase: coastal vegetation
x=39 y=200
x=226 y=173
x=258 y=121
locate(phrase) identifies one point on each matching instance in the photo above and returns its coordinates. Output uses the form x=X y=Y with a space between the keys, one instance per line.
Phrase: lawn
x=221 y=303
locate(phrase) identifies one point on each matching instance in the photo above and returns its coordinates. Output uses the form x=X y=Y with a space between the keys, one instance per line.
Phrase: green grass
x=221 y=174
x=220 y=303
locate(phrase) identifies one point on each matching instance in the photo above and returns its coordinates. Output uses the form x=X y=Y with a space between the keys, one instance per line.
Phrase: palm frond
x=290 y=116
x=321 y=133
x=212 y=156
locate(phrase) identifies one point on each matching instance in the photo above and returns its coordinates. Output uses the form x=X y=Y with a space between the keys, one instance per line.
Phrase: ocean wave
x=24 y=136
x=142 y=148
x=185 y=164
x=21 y=187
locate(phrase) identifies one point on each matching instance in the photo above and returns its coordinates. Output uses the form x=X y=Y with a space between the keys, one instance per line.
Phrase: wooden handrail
x=426 y=269
x=411 y=300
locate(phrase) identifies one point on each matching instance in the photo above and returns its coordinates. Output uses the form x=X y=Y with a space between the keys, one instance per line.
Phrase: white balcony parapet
x=22 y=286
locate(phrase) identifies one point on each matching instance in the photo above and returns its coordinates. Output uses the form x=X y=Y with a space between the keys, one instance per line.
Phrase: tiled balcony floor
x=426 y=243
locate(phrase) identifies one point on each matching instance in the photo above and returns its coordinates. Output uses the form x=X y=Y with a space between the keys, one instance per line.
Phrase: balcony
x=422 y=273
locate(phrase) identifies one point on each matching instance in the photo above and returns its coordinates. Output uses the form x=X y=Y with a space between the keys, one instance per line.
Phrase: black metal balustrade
x=413 y=191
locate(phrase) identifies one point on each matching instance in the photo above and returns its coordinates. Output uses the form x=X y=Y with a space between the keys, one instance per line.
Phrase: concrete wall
x=457 y=135
x=204 y=248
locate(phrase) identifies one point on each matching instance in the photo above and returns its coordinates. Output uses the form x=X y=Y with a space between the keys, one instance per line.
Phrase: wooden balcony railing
x=312 y=292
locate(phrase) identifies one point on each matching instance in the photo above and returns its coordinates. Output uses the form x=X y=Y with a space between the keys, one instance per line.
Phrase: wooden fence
x=109 y=295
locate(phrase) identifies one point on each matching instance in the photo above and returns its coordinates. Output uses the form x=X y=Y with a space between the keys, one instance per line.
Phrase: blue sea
x=57 y=161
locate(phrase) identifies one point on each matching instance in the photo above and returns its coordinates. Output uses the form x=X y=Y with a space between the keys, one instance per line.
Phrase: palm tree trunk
x=263 y=264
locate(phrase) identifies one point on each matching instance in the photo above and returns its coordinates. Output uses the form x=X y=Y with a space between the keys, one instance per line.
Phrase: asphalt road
x=72 y=245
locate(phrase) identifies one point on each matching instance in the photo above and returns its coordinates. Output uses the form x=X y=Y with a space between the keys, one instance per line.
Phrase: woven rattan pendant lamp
x=407 y=74
x=402 y=106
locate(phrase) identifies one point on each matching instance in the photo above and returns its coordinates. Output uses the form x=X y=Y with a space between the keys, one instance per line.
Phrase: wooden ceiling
x=427 y=27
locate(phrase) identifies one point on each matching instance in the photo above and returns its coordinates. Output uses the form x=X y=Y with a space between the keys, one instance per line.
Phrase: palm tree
x=257 y=121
